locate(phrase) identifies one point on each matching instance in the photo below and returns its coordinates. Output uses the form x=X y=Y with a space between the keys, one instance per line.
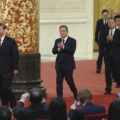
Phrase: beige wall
x=77 y=15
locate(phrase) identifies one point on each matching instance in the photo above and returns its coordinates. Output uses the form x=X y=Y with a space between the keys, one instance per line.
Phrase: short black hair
x=118 y=16
x=5 y=113
x=57 y=109
x=3 y=25
x=65 y=26
x=114 y=110
x=105 y=10
x=36 y=95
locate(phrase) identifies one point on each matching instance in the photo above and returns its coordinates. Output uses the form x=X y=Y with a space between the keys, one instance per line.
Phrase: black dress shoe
x=117 y=85
x=98 y=71
x=107 y=92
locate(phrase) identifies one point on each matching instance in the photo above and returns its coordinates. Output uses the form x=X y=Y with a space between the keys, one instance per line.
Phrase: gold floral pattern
x=22 y=20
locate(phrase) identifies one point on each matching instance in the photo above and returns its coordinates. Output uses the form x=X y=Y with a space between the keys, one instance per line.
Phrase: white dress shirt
x=112 y=31
x=105 y=21
x=65 y=39
x=2 y=39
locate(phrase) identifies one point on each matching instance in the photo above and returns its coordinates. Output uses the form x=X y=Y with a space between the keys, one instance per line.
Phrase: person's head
x=5 y=113
x=111 y=23
x=116 y=12
x=84 y=96
x=36 y=95
x=105 y=14
x=114 y=111
x=117 y=20
x=57 y=110
x=63 y=31
x=2 y=29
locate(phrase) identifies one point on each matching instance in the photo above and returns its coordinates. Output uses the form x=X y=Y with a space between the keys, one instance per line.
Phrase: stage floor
x=84 y=76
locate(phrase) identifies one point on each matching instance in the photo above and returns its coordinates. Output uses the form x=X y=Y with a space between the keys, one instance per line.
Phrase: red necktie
x=63 y=41
x=0 y=43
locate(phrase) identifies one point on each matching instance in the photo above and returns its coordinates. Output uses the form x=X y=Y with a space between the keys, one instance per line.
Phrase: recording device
x=118 y=95
x=77 y=103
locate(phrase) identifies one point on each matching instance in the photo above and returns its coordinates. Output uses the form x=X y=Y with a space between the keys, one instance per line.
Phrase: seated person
x=114 y=111
x=86 y=106
x=5 y=113
x=38 y=108
x=57 y=109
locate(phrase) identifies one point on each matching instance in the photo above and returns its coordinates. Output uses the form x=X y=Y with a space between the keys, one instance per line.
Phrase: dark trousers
x=100 y=56
x=110 y=68
x=68 y=75
x=6 y=94
x=108 y=72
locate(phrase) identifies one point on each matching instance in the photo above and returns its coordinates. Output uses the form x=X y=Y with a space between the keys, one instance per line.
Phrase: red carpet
x=85 y=77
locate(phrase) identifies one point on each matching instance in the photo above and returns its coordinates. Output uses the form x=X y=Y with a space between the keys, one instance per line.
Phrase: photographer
x=38 y=108
x=85 y=107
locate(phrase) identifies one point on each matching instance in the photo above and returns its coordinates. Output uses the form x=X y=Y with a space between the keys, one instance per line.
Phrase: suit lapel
x=67 y=41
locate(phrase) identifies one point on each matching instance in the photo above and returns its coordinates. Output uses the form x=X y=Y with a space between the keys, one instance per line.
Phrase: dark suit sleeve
x=71 y=47
x=97 y=31
x=55 y=48
x=71 y=114
x=15 y=55
x=18 y=111
x=117 y=41
x=75 y=115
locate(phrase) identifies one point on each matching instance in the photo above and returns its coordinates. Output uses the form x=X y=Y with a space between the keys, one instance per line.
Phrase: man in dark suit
x=112 y=56
x=86 y=106
x=8 y=66
x=65 y=48
x=38 y=108
x=100 y=27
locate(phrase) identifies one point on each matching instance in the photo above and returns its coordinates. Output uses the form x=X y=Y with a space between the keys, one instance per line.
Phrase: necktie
x=111 y=33
x=0 y=43
x=63 y=41
x=105 y=22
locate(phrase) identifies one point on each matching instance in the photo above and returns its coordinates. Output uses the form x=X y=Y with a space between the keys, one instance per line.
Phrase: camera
x=118 y=95
x=77 y=103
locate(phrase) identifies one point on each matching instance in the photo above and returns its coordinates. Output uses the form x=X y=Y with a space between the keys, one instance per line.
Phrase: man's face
x=118 y=21
x=105 y=15
x=111 y=24
x=63 y=32
x=2 y=31
x=117 y=12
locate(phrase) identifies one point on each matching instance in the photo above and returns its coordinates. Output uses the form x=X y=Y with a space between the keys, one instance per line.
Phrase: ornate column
x=22 y=20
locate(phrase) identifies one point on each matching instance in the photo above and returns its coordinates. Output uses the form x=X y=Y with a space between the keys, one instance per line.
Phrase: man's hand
x=15 y=72
x=61 y=46
x=109 y=38
x=73 y=107
x=96 y=43
x=24 y=97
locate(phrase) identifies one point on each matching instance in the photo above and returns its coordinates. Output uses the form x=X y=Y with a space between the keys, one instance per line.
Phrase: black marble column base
x=29 y=74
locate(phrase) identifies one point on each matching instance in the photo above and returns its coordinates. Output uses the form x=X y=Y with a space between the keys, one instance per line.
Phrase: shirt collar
x=117 y=27
x=65 y=39
x=2 y=38
x=113 y=30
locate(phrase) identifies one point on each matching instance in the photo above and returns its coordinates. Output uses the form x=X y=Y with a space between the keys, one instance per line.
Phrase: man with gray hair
x=86 y=106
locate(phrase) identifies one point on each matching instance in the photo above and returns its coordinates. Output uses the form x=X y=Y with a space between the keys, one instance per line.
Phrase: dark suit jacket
x=65 y=58
x=88 y=109
x=113 y=48
x=33 y=112
x=8 y=58
x=100 y=27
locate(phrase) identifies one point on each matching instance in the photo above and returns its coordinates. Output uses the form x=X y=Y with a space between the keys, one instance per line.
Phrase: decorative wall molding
x=68 y=21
